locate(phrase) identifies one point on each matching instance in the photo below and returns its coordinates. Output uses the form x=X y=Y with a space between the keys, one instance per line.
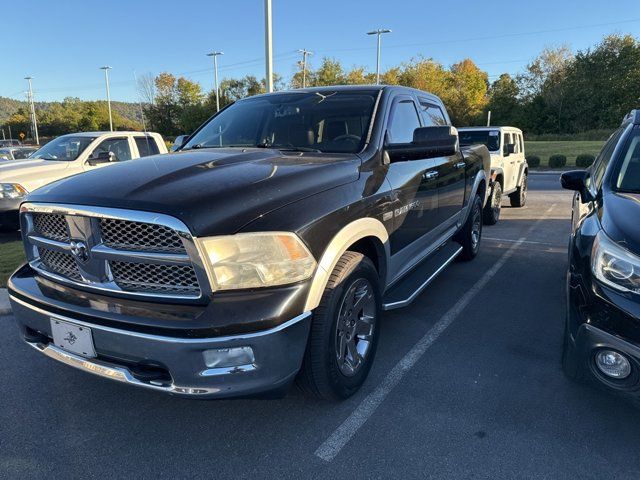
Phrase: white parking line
x=343 y=434
x=528 y=242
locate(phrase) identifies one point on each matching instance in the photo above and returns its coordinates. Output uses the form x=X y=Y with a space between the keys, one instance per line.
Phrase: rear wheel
x=344 y=331
x=471 y=233
x=519 y=197
x=491 y=211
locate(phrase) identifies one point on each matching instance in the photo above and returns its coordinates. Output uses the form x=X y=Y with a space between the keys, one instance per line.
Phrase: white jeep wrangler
x=509 y=167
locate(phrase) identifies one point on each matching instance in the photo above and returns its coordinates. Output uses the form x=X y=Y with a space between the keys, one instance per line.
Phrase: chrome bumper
x=278 y=355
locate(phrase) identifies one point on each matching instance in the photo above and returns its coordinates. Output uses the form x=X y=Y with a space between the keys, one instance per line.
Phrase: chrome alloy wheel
x=476 y=228
x=355 y=327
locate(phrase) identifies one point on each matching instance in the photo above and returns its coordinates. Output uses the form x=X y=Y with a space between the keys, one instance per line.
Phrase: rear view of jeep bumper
x=177 y=365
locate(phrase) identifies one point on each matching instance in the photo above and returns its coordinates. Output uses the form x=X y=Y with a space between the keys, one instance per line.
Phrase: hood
x=620 y=219
x=32 y=174
x=214 y=191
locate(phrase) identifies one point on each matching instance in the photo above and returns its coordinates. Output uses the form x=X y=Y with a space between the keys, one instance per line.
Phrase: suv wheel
x=491 y=212
x=344 y=331
x=471 y=233
x=519 y=197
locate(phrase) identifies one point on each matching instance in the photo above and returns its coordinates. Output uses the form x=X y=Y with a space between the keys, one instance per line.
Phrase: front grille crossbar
x=113 y=253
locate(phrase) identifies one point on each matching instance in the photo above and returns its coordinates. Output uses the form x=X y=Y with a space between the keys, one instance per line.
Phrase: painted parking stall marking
x=332 y=446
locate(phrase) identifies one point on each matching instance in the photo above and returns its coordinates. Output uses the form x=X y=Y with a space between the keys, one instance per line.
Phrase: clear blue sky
x=62 y=43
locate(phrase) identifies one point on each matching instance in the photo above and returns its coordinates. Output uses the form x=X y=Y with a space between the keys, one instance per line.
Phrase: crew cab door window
x=146 y=146
x=404 y=120
x=432 y=115
x=119 y=146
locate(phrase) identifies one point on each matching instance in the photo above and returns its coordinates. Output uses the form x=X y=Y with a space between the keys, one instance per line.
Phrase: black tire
x=471 y=233
x=9 y=222
x=491 y=211
x=322 y=375
x=519 y=197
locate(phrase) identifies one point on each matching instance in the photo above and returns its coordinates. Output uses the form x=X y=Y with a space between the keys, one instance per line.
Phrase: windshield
x=490 y=138
x=63 y=149
x=330 y=122
x=629 y=177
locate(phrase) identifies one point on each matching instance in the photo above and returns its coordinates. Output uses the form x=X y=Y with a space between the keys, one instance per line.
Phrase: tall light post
x=106 y=69
x=268 y=46
x=378 y=32
x=32 y=107
x=304 y=53
x=215 y=76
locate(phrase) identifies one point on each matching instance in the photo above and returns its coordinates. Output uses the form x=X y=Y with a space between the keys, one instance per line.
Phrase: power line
x=488 y=37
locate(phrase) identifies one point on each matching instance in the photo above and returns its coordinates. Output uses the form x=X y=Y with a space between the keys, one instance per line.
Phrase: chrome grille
x=114 y=250
x=127 y=235
x=51 y=225
x=140 y=277
x=59 y=263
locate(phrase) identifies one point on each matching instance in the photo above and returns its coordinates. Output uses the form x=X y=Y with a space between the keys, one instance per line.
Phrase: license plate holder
x=72 y=338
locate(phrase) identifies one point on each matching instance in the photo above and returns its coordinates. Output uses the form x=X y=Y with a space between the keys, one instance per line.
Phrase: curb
x=5 y=306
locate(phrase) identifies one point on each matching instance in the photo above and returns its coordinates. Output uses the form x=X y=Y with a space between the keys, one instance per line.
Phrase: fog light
x=228 y=357
x=613 y=364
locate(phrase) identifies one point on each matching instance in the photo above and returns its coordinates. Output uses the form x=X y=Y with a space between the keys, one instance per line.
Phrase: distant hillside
x=8 y=106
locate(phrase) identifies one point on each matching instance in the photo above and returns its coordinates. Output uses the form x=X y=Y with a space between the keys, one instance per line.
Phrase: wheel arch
x=364 y=235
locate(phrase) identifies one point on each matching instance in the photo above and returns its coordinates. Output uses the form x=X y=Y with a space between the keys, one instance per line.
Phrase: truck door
x=414 y=181
x=451 y=171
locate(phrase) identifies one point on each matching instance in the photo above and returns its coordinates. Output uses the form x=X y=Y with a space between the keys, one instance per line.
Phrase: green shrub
x=557 y=161
x=584 y=160
x=533 y=161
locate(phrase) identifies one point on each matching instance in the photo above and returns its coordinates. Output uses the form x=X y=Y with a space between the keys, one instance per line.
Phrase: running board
x=406 y=291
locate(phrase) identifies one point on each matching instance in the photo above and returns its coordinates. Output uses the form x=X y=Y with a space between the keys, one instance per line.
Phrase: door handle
x=460 y=165
x=430 y=175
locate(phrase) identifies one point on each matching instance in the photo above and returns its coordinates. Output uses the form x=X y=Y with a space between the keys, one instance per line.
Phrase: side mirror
x=428 y=142
x=179 y=142
x=576 y=180
x=103 y=157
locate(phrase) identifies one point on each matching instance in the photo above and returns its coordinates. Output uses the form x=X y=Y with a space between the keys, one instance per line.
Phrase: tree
x=466 y=95
x=503 y=101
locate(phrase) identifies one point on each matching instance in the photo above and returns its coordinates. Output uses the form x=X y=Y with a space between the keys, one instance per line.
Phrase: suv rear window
x=146 y=146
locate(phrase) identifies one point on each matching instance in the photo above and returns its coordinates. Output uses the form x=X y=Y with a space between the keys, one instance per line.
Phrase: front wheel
x=519 y=197
x=471 y=233
x=344 y=331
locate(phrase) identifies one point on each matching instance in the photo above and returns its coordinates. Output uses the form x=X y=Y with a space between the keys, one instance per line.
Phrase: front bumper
x=127 y=356
x=600 y=318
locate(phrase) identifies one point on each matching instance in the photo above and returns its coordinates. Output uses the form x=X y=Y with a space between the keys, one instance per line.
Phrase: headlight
x=12 y=191
x=615 y=266
x=252 y=260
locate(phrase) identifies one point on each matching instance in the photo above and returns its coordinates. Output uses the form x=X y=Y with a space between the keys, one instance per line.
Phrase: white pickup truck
x=66 y=156
x=509 y=169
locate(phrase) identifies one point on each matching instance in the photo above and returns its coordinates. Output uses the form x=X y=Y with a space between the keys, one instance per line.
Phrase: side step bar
x=406 y=291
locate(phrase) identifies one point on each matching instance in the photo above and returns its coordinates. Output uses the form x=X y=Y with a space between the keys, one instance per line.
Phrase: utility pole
x=32 y=114
x=304 y=53
x=106 y=79
x=268 y=46
x=378 y=32
x=489 y=118
x=215 y=76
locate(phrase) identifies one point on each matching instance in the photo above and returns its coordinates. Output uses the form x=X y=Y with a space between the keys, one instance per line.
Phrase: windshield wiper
x=287 y=148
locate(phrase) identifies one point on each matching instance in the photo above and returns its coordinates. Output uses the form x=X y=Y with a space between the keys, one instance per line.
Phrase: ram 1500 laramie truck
x=263 y=250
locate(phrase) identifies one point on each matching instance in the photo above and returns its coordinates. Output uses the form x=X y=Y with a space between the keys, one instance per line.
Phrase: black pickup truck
x=263 y=250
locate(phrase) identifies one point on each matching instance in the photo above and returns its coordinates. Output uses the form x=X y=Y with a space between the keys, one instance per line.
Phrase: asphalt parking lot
x=467 y=384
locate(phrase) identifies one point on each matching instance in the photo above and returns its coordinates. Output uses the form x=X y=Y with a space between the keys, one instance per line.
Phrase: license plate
x=73 y=338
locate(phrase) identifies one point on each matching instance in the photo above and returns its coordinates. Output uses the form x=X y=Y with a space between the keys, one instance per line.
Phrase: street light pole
x=34 y=122
x=378 y=32
x=304 y=53
x=106 y=79
x=215 y=76
x=268 y=46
